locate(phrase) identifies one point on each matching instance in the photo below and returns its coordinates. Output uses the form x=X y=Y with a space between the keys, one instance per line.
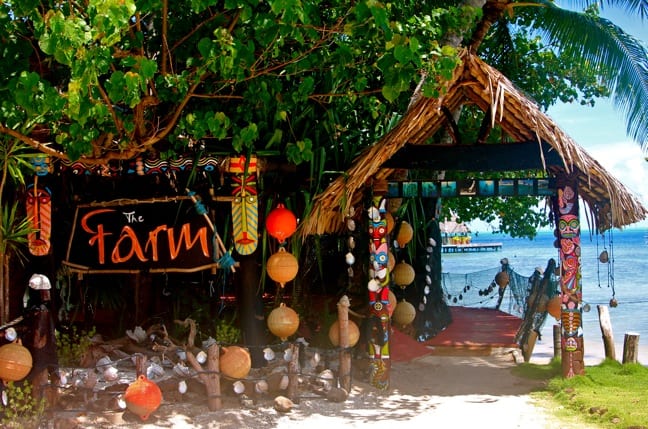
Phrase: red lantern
x=281 y=223
x=142 y=397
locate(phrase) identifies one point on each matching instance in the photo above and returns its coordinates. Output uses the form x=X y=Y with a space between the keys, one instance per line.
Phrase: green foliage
x=22 y=410
x=227 y=332
x=71 y=346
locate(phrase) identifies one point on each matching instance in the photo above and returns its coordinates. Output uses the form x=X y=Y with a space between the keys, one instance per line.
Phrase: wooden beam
x=484 y=157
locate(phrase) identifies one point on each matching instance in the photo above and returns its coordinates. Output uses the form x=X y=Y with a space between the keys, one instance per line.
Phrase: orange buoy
x=283 y=321
x=235 y=362
x=404 y=313
x=282 y=266
x=334 y=333
x=281 y=223
x=15 y=361
x=143 y=397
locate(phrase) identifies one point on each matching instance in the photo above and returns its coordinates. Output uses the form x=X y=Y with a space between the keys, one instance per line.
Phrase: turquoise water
x=625 y=276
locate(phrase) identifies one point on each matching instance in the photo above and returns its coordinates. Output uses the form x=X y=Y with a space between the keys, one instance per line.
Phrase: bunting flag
x=245 y=211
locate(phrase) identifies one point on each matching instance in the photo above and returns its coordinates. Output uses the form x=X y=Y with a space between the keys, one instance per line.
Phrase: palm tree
x=618 y=59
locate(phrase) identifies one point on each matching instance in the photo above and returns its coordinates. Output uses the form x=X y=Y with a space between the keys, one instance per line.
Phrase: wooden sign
x=153 y=235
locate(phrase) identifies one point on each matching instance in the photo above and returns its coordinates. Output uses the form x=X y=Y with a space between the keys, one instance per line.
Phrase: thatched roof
x=475 y=82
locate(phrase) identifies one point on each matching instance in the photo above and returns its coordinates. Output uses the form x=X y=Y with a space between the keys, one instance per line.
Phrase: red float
x=143 y=397
x=281 y=223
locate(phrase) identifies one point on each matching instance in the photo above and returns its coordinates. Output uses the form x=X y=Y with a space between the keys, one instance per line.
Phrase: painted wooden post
x=378 y=285
x=631 y=347
x=568 y=243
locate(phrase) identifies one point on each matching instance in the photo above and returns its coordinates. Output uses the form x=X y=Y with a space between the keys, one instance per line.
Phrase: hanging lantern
x=283 y=321
x=281 y=223
x=403 y=274
x=235 y=362
x=392 y=302
x=553 y=307
x=15 y=361
x=391 y=261
x=502 y=279
x=390 y=222
x=143 y=397
x=282 y=266
x=404 y=313
x=405 y=234
x=334 y=333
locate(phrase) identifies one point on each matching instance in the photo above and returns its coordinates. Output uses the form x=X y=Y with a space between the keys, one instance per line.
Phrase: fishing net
x=522 y=296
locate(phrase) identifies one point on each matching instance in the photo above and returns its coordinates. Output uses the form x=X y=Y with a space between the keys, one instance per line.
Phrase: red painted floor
x=473 y=330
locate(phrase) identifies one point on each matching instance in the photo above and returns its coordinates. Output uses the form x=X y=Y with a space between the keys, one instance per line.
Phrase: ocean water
x=624 y=277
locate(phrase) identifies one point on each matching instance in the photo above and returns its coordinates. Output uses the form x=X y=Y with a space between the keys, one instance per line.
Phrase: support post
x=556 y=340
x=631 y=348
x=293 y=373
x=378 y=285
x=565 y=208
x=606 y=331
x=345 y=356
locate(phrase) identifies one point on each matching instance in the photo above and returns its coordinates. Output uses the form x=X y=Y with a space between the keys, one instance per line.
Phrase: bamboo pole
x=556 y=341
x=606 y=331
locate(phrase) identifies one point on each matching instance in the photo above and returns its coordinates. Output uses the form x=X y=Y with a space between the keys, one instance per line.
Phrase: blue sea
x=624 y=277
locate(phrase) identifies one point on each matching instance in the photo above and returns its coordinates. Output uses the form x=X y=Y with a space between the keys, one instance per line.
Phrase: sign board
x=128 y=236
x=471 y=188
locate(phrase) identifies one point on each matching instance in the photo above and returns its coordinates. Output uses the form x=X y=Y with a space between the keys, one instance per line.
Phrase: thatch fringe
x=474 y=81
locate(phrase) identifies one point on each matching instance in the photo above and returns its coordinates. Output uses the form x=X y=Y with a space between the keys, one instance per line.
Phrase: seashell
x=283 y=384
x=349 y=258
x=5 y=398
x=326 y=378
x=91 y=380
x=432 y=242
x=138 y=334
x=11 y=335
x=103 y=361
x=181 y=369
x=426 y=289
x=421 y=306
x=63 y=378
x=351 y=225
x=351 y=243
x=110 y=373
x=428 y=281
x=428 y=268
x=268 y=354
x=429 y=249
x=121 y=402
x=350 y=271
x=182 y=355
x=154 y=370
x=351 y=211
x=239 y=387
x=261 y=387
x=201 y=357
x=182 y=387
x=208 y=343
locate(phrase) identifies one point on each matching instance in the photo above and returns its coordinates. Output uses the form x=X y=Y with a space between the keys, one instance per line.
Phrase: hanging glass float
x=283 y=321
x=334 y=333
x=403 y=274
x=502 y=279
x=405 y=234
x=143 y=397
x=554 y=307
x=404 y=313
x=281 y=223
x=235 y=362
x=282 y=266
x=392 y=302
x=15 y=361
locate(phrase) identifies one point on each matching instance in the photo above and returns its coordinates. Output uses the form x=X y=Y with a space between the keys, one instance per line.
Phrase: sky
x=601 y=130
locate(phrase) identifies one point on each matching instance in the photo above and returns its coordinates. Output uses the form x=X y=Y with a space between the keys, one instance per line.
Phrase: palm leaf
x=618 y=58
x=631 y=6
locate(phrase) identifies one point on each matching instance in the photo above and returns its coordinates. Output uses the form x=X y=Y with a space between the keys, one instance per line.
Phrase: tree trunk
x=248 y=281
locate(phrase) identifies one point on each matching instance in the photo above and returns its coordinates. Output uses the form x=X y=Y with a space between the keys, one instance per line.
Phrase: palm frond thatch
x=474 y=81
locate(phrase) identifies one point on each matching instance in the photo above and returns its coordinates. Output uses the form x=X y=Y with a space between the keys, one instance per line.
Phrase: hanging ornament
x=334 y=333
x=405 y=234
x=282 y=266
x=143 y=397
x=502 y=279
x=392 y=302
x=283 y=321
x=404 y=313
x=281 y=223
x=390 y=222
x=614 y=303
x=403 y=274
x=604 y=257
x=15 y=361
x=554 y=307
x=235 y=362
